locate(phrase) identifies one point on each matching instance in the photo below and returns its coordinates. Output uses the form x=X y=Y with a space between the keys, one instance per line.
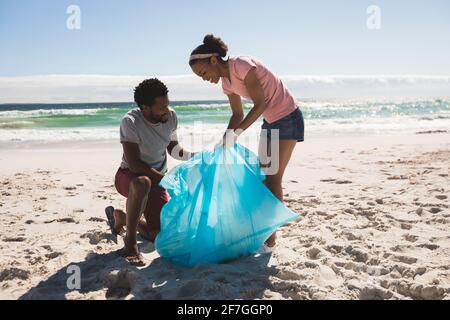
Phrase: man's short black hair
x=146 y=92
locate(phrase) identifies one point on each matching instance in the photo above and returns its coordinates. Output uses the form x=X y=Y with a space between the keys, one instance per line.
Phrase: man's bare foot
x=271 y=242
x=132 y=254
x=120 y=221
x=144 y=232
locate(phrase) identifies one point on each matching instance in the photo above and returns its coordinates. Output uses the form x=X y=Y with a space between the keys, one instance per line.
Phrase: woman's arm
x=237 y=109
x=256 y=93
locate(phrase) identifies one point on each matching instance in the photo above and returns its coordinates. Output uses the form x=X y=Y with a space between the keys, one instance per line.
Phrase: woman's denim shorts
x=291 y=127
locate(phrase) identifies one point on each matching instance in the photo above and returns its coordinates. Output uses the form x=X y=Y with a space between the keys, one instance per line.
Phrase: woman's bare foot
x=271 y=242
x=132 y=254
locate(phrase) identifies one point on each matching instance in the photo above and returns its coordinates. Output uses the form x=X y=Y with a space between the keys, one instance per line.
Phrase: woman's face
x=208 y=70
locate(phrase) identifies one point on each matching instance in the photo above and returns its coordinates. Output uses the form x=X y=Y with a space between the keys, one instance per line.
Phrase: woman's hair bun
x=216 y=45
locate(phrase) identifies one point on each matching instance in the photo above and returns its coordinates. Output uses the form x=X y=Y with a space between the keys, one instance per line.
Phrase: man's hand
x=177 y=152
x=137 y=166
x=192 y=154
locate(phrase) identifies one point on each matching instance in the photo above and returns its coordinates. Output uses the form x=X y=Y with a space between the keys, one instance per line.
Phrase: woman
x=245 y=77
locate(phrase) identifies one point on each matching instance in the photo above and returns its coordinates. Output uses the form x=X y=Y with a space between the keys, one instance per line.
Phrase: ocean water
x=44 y=123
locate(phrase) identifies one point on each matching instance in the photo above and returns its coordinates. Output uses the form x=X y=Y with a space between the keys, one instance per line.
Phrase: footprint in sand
x=120 y=283
x=437 y=220
x=358 y=254
x=289 y=275
x=14 y=273
x=431 y=292
x=53 y=255
x=328 y=180
x=435 y=210
x=334 y=249
x=398 y=177
x=343 y=182
x=351 y=236
x=67 y=220
x=314 y=253
x=374 y=293
x=410 y=237
x=14 y=239
x=417 y=291
x=94 y=236
x=429 y=246
x=190 y=289
x=337 y=181
x=405 y=226
x=95 y=219
x=404 y=259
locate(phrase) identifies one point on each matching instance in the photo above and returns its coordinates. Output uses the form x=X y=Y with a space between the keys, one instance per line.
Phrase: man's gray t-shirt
x=152 y=138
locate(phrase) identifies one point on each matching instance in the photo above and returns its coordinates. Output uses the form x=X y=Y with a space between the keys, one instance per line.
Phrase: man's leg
x=149 y=227
x=157 y=198
x=136 y=201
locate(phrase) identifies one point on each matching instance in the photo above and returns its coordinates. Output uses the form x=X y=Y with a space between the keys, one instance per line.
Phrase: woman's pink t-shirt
x=279 y=100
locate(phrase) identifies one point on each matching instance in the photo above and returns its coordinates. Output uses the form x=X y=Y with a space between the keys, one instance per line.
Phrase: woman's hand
x=228 y=140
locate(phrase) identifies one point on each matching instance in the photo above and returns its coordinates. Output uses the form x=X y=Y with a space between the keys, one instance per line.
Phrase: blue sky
x=293 y=37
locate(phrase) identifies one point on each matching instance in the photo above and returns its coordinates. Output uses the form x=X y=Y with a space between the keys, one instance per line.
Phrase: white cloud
x=104 y=88
x=369 y=87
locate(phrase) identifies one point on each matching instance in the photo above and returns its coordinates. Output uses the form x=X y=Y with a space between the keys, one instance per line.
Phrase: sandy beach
x=374 y=224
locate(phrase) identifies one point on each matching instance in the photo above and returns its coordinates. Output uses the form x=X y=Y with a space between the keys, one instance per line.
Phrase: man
x=146 y=133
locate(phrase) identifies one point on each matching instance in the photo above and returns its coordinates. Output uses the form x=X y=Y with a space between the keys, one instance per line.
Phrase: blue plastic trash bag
x=219 y=208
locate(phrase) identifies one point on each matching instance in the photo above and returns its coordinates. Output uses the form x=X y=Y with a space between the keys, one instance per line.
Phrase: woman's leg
x=274 y=179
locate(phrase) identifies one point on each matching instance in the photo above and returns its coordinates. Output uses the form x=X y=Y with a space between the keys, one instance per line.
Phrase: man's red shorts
x=157 y=198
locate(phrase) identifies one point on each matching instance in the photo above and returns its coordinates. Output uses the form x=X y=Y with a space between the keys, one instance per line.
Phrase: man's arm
x=177 y=152
x=137 y=166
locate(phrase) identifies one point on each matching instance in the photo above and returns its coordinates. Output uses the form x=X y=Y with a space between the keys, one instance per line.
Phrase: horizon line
x=419 y=75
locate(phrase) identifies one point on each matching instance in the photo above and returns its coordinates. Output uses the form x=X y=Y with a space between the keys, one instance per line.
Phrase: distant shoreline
x=112 y=103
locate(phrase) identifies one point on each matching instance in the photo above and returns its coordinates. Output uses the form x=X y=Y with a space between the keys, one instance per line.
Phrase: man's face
x=159 y=111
